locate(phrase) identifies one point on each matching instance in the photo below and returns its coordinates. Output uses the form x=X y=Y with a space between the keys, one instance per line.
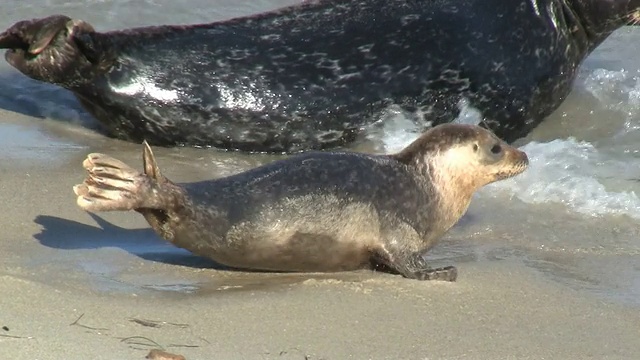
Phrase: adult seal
x=314 y=75
x=319 y=211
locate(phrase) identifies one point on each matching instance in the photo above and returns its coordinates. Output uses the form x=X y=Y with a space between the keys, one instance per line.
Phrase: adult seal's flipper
x=55 y=49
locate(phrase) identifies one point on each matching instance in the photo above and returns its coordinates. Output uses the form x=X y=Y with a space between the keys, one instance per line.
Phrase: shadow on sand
x=65 y=234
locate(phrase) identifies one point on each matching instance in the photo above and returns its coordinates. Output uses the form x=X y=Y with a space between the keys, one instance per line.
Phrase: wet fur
x=312 y=76
x=316 y=211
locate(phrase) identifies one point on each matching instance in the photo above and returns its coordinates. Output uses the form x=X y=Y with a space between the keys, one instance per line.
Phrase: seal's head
x=50 y=49
x=459 y=159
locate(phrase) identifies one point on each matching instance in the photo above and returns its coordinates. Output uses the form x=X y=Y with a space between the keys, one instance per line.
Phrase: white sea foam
x=575 y=174
x=398 y=131
x=594 y=180
x=468 y=113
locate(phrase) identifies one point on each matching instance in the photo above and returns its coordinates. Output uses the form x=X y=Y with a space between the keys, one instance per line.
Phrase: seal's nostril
x=525 y=158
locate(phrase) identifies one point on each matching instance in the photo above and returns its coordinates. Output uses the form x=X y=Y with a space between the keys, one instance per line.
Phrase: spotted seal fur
x=313 y=75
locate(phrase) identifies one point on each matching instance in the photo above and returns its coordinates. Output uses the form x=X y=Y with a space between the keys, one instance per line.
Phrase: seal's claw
x=81 y=189
x=111 y=185
x=97 y=160
x=447 y=273
x=106 y=171
x=121 y=183
x=95 y=198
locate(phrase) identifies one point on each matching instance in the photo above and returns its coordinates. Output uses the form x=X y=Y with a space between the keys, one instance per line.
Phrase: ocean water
x=573 y=216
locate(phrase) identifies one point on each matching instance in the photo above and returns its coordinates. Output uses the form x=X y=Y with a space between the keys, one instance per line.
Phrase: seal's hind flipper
x=111 y=185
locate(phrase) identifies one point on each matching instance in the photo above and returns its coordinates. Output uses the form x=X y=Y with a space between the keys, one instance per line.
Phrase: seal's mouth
x=18 y=56
x=517 y=163
x=507 y=174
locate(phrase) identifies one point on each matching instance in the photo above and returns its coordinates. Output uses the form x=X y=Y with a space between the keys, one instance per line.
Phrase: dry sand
x=79 y=287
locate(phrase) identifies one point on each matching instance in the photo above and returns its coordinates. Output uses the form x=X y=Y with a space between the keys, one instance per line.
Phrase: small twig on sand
x=77 y=323
x=157 y=323
x=131 y=340
x=146 y=323
x=156 y=354
x=298 y=351
x=182 y=346
x=5 y=328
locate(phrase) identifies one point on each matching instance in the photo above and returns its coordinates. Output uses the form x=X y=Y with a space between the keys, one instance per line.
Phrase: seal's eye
x=475 y=147
x=496 y=149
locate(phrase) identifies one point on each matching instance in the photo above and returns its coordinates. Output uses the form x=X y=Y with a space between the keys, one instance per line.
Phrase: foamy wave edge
x=566 y=171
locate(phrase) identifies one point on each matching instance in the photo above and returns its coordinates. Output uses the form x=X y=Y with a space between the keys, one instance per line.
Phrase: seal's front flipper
x=447 y=273
x=46 y=31
x=414 y=266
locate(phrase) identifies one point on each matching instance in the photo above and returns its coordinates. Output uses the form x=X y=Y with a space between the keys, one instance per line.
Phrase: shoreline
x=62 y=263
x=496 y=310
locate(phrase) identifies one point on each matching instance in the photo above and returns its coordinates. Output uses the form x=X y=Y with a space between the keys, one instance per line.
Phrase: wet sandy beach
x=132 y=292
x=549 y=262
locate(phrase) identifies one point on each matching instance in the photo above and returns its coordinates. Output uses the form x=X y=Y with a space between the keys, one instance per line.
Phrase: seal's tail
x=115 y=186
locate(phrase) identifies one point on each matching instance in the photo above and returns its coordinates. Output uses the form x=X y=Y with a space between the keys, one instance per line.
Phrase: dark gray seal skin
x=312 y=76
x=318 y=211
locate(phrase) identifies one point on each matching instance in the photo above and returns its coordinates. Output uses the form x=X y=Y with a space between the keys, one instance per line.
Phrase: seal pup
x=319 y=211
x=313 y=75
